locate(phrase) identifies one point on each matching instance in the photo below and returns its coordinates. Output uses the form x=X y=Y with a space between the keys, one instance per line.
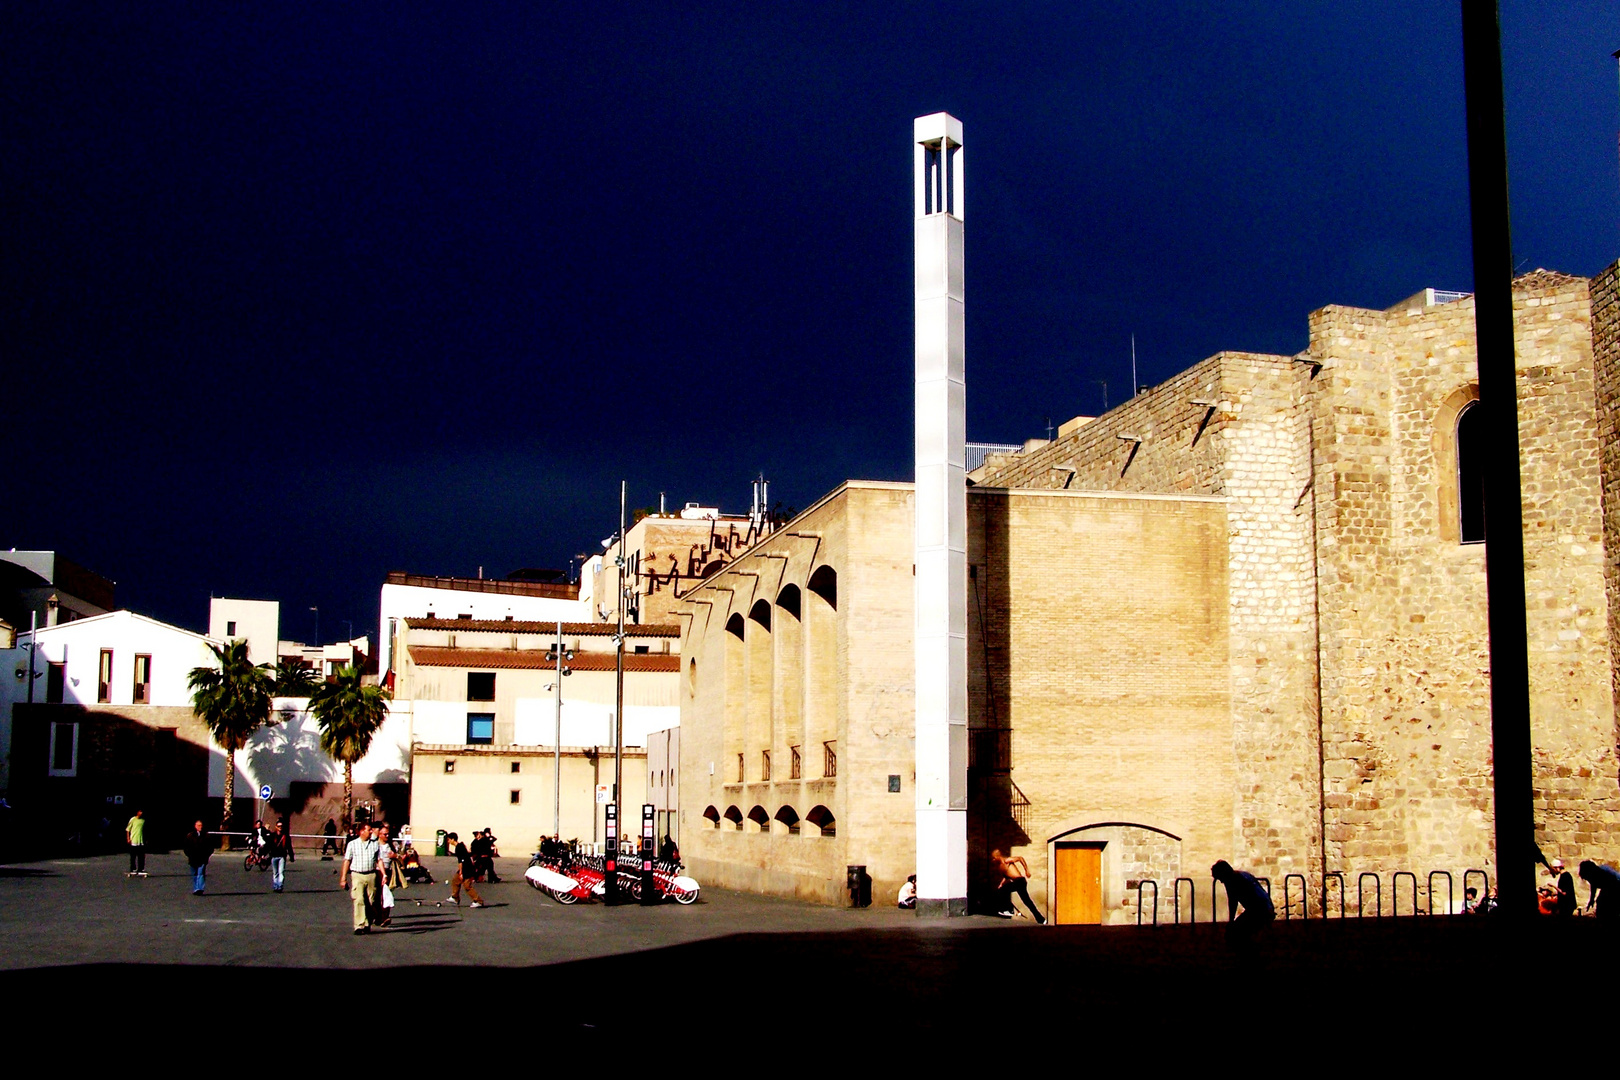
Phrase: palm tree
x=349 y=715
x=233 y=699
x=294 y=677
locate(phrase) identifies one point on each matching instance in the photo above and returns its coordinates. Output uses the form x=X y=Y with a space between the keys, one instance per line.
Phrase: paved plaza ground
x=70 y=925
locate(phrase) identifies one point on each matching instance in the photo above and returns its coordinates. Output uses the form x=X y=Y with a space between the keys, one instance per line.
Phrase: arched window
x=734 y=816
x=789 y=817
x=824 y=583
x=1471 y=474
x=822 y=818
x=712 y=816
x=759 y=817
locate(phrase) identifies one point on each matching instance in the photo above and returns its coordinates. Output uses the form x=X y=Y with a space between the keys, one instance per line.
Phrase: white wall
x=415 y=601
x=586 y=723
x=174 y=653
x=289 y=750
x=258 y=622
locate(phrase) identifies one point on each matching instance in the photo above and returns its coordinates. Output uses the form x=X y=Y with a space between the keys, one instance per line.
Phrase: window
x=643 y=648
x=822 y=818
x=480 y=686
x=894 y=782
x=739 y=768
x=1470 y=474
x=480 y=727
x=829 y=758
x=64 y=750
x=765 y=765
x=449 y=767
x=230 y=628
x=795 y=764
x=55 y=679
x=517 y=766
x=790 y=818
x=712 y=816
x=143 y=679
x=761 y=819
x=104 y=678
x=517 y=797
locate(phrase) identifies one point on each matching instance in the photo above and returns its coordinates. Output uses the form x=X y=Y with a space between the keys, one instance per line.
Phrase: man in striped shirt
x=359 y=875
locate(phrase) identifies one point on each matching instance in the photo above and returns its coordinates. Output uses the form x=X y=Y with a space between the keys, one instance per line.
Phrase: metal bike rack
x=1332 y=875
x=1304 y=893
x=1378 y=887
x=1395 y=892
x=1485 y=890
x=1139 y=885
x=1451 y=898
x=1192 y=898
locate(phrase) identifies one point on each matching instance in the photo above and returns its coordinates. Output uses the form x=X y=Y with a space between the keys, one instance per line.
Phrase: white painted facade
x=418 y=602
x=170 y=653
x=257 y=622
x=941 y=517
x=289 y=749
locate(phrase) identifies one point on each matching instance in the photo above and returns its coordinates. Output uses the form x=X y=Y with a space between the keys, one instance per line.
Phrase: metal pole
x=556 y=746
x=33 y=647
x=1504 y=526
x=618 y=707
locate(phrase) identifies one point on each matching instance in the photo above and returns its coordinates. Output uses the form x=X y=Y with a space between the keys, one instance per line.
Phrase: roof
x=535 y=659
x=530 y=626
x=547 y=589
x=110 y=616
x=1545 y=279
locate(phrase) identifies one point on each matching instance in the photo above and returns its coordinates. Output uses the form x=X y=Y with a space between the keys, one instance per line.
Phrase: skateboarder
x=135 y=837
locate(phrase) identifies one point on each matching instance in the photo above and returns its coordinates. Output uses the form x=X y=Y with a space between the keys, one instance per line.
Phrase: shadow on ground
x=1367 y=976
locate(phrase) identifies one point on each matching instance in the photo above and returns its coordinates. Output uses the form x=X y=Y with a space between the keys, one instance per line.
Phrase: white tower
x=941 y=517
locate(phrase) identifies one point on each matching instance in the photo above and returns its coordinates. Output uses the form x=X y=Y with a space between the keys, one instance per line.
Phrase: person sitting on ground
x=1605 y=885
x=908 y=893
x=1015 y=882
x=1470 y=904
x=1567 y=904
x=1243 y=890
x=414 y=871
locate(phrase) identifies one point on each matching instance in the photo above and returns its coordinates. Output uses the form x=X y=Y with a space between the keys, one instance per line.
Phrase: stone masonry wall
x=1605 y=301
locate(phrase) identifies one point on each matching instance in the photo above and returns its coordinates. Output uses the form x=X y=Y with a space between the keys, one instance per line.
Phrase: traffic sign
x=266 y=792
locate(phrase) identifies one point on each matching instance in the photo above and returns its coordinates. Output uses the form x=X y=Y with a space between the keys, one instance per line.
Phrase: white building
x=257 y=622
x=415 y=596
x=119 y=658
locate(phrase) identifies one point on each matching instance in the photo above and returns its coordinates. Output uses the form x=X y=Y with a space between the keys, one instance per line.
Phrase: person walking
x=135 y=837
x=358 y=874
x=1243 y=890
x=387 y=871
x=279 y=848
x=329 y=844
x=1015 y=882
x=198 y=847
x=466 y=871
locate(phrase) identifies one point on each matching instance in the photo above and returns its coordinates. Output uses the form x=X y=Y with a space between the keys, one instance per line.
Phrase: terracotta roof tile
x=569 y=629
x=534 y=659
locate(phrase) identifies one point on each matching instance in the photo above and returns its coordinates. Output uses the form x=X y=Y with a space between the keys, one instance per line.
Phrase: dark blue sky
x=291 y=298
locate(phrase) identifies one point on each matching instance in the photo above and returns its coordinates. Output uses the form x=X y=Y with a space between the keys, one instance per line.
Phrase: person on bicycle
x=259 y=838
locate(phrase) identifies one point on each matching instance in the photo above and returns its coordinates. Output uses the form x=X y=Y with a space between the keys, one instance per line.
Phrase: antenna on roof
x=1104 y=384
x=1135 y=386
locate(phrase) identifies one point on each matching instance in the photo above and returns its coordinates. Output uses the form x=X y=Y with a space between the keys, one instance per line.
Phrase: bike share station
x=568 y=876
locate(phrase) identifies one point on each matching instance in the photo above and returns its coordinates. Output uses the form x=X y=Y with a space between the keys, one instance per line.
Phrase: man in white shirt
x=358 y=874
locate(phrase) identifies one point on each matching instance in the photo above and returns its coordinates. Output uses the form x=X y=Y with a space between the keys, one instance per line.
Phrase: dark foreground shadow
x=1432 y=980
x=26 y=872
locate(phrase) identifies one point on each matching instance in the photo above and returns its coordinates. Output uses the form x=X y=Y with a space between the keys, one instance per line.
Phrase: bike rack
x=1451 y=898
x=1326 y=877
x=1192 y=899
x=1139 y=884
x=1378 y=887
x=1395 y=893
x=1485 y=890
x=1304 y=894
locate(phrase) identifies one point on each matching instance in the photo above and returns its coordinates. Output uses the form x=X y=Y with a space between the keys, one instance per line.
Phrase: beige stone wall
x=478 y=793
x=1099 y=640
x=1405 y=650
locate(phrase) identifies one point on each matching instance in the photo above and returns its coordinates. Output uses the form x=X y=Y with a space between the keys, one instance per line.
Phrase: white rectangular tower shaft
x=941 y=521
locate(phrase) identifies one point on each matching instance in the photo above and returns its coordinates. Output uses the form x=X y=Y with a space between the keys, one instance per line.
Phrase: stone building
x=1241 y=615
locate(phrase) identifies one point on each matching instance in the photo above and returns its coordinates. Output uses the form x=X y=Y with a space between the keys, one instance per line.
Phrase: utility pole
x=33 y=647
x=1513 y=783
x=556 y=740
x=623 y=563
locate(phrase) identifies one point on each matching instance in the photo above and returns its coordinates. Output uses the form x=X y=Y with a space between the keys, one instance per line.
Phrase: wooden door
x=1077 y=896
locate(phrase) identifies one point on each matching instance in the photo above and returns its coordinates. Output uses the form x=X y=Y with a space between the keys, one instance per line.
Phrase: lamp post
x=560 y=654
